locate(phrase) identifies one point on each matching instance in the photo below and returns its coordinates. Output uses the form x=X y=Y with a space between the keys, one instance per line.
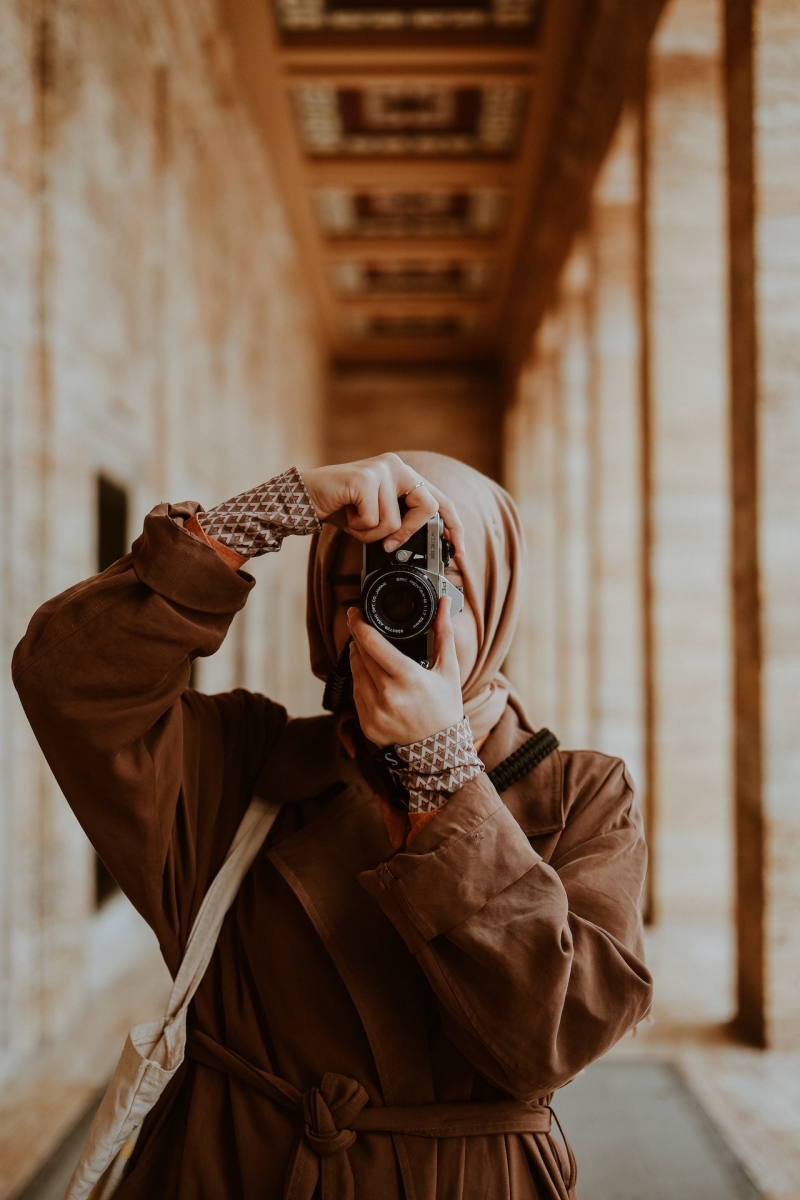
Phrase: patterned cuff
x=437 y=766
x=256 y=522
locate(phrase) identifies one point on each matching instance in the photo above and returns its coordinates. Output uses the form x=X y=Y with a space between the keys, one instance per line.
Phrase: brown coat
x=496 y=958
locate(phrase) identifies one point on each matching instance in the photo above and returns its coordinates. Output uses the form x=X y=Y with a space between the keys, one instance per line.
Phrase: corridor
x=556 y=239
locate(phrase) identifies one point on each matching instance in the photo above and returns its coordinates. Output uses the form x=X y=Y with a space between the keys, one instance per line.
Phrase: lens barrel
x=400 y=603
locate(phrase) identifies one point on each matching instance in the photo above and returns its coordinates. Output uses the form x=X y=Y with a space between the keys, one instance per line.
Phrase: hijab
x=493 y=572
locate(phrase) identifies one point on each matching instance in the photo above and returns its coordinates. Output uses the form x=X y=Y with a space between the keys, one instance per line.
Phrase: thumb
x=445 y=660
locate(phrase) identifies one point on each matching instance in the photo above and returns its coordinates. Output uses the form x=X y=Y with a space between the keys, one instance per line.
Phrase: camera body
x=400 y=591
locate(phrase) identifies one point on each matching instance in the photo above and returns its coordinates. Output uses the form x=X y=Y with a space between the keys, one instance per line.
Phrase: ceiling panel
x=408 y=135
x=396 y=16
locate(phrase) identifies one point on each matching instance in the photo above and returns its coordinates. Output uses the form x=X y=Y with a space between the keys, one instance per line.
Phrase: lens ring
x=400 y=603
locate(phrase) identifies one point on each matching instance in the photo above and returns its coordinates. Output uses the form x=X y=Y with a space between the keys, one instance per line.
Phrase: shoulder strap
x=523 y=760
x=248 y=840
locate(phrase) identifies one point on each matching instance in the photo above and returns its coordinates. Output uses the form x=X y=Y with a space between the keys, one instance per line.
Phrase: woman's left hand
x=397 y=700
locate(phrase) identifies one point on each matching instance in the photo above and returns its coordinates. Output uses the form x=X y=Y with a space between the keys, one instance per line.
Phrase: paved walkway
x=639 y=1134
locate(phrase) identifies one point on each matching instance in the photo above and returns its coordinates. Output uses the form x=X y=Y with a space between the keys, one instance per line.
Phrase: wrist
x=257 y=521
x=314 y=482
x=431 y=769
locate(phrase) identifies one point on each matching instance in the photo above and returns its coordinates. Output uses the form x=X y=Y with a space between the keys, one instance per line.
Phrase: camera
x=400 y=591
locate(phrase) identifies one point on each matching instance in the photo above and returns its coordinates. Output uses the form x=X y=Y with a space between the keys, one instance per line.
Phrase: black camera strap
x=523 y=760
x=339 y=684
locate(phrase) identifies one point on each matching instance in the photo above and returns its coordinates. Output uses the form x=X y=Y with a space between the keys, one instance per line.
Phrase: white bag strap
x=250 y=836
x=153 y=1052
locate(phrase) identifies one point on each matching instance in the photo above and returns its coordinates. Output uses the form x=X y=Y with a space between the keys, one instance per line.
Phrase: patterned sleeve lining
x=256 y=522
x=438 y=766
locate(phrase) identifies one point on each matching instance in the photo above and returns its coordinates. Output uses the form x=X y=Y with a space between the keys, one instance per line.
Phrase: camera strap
x=339 y=684
x=523 y=760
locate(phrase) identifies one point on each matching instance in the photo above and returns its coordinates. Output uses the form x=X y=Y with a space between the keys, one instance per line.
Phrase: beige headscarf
x=493 y=575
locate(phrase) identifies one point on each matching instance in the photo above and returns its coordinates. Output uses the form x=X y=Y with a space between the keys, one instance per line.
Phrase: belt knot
x=328 y=1111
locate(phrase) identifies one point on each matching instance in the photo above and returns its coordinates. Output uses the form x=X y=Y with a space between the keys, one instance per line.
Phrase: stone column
x=686 y=269
x=616 y=635
x=572 y=504
x=763 y=104
x=530 y=448
x=22 y=443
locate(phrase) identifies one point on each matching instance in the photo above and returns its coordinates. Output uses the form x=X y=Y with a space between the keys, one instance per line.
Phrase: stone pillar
x=572 y=714
x=22 y=442
x=616 y=634
x=686 y=271
x=530 y=451
x=763 y=104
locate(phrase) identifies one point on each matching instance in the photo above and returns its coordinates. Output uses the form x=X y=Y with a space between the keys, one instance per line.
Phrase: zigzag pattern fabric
x=438 y=766
x=256 y=522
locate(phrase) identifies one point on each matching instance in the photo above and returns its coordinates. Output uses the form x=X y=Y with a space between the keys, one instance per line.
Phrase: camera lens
x=400 y=604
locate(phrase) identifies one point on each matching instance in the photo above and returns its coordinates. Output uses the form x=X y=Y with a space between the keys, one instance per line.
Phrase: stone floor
x=638 y=1133
x=751 y=1096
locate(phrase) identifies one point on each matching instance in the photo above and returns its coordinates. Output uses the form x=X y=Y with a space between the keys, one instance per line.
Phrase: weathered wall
x=453 y=410
x=572 y=461
x=688 y=377
x=617 y=518
x=152 y=324
x=763 y=68
x=777 y=286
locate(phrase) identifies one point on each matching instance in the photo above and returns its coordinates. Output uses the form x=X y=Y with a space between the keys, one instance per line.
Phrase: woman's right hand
x=362 y=497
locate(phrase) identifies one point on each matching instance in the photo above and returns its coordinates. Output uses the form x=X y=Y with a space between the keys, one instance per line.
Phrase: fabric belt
x=336 y=1111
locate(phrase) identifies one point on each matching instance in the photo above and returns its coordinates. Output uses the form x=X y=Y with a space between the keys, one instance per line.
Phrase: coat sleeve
x=158 y=775
x=538 y=969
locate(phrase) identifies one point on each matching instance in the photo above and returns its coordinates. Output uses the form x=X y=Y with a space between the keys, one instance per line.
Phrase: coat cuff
x=470 y=852
x=182 y=569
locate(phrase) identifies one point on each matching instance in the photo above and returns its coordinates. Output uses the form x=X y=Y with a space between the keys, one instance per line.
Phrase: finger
x=363 y=685
x=445 y=659
x=379 y=653
x=452 y=523
x=390 y=508
x=420 y=507
x=365 y=695
x=402 y=481
x=363 y=511
x=367 y=664
x=388 y=512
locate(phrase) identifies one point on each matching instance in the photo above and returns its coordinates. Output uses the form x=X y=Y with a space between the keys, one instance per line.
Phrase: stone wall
x=451 y=409
x=153 y=322
x=763 y=113
x=690 y=494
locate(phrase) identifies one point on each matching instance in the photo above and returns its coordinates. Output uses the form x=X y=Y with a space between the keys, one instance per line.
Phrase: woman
x=439 y=972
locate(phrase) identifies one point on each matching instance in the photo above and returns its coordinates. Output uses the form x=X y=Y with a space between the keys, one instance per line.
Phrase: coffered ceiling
x=409 y=138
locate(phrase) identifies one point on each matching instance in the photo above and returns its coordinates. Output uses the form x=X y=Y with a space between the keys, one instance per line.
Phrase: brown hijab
x=493 y=575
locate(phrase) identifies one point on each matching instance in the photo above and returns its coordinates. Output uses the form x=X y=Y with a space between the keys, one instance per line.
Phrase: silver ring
x=421 y=483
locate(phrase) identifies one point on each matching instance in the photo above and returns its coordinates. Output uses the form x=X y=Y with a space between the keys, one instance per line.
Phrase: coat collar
x=309 y=758
x=535 y=801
